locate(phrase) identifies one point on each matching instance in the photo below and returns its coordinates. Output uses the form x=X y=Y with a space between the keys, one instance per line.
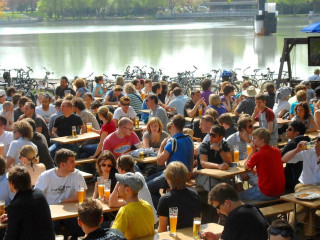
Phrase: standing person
x=227 y=99
x=125 y=110
x=121 y=141
x=28 y=215
x=248 y=104
x=98 y=90
x=156 y=110
x=135 y=219
x=185 y=199
x=63 y=127
x=267 y=161
x=46 y=109
x=64 y=89
x=239 y=216
x=22 y=133
x=81 y=88
x=266 y=118
x=90 y=218
x=206 y=89
x=113 y=96
x=192 y=105
x=135 y=97
x=6 y=137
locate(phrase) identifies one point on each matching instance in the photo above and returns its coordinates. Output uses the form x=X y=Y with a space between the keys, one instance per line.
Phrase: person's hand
x=215 y=146
x=253 y=147
x=245 y=135
x=208 y=236
x=4 y=218
x=302 y=145
x=223 y=166
x=92 y=156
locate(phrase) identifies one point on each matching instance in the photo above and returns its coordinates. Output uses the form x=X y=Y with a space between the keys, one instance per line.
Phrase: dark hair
x=317 y=91
x=20 y=178
x=90 y=212
x=105 y=155
x=172 y=86
x=153 y=97
x=98 y=78
x=32 y=123
x=260 y=96
x=96 y=104
x=194 y=91
x=270 y=87
x=228 y=89
x=222 y=192
x=47 y=96
x=206 y=84
x=177 y=91
x=88 y=94
x=11 y=90
x=32 y=105
x=306 y=108
x=3 y=121
x=155 y=86
x=126 y=163
x=15 y=98
x=23 y=100
x=135 y=82
x=225 y=118
x=242 y=122
x=58 y=102
x=218 y=129
x=283 y=225
x=298 y=127
x=178 y=121
x=2 y=166
x=79 y=103
x=164 y=85
x=64 y=78
x=63 y=155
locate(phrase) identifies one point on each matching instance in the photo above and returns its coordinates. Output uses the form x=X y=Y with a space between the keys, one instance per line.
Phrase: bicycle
x=44 y=85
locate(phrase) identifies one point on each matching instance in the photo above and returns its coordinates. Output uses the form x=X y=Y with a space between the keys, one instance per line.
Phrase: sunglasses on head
x=213 y=135
x=105 y=165
x=284 y=232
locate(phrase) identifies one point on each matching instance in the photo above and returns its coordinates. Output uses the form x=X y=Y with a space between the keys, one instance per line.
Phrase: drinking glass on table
x=196 y=227
x=107 y=187
x=136 y=124
x=74 y=131
x=236 y=154
x=173 y=215
x=89 y=127
x=100 y=187
x=59 y=237
x=81 y=192
x=2 y=207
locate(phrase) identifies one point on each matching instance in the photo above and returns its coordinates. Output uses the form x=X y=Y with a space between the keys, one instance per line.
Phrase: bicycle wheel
x=215 y=88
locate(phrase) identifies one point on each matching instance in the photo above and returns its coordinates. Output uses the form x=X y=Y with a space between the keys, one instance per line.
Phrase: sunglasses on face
x=105 y=165
x=284 y=232
x=250 y=126
x=290 y=129
x=212 y=135
x=217 y=207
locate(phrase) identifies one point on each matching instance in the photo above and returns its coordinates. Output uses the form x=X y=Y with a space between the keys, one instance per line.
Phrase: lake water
x=108 y=47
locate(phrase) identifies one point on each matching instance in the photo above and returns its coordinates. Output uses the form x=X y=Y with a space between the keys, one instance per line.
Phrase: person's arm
x=145 y=142
x=163 y=223
x=103 y=136
x=95 y=192
x=114 y=200
x=289 y=155
x=83 y=129
x=73 y=198
x=162 y=156
x=206 y=164
x=317 y=118
x=10 y=161
x=281 y=113
x=256 y=111
x=313 y=126
x=253 y=150
x=78 y=94
x=54 y=132
x=106 y=101
x=96 y=92
x=270 y=126
x=211 y=236
x=116 y=121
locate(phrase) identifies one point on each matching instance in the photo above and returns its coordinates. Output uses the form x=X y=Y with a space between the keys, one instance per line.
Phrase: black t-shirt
x=213 y=156
x=188 y=203
x=231 y=130
x=270 y=99
x=64 y=125
x=245 y=223
x=189 y=105
x=105 y=233
x=60 y=92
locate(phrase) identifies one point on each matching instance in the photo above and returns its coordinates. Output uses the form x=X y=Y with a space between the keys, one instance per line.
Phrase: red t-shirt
x=119 y=146
x=269 y=115
x=271 y=179
x=109 y=127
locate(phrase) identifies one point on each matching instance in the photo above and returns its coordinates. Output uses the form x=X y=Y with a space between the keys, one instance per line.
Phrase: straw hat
x=251 y=91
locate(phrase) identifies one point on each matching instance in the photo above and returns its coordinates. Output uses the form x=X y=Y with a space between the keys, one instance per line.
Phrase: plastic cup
x=173 y=214
x=196 y=227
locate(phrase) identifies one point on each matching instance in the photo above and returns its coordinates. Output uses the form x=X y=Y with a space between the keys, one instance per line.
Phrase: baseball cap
x=130 y=179
x=305 y=82
x=2 y=92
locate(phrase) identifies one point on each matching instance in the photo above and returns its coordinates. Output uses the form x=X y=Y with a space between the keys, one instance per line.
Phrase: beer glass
x=248 y=149
x=1 y=149
x=143 y=95
x=107 y=187
x=173 y=214
x=74 y=131
x=141 y=155
x=136 y=122
x=200 y=111
x=196 y=227
x=2 y=207
x=89 y=127
x=59 y=237
x=236 y=154
x=100 y=187
x=81 y=192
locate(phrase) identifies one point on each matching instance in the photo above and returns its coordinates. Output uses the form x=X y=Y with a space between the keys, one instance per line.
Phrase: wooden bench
x=265 y=203
x=277 y=209
x=192 y=184
x=85 y=160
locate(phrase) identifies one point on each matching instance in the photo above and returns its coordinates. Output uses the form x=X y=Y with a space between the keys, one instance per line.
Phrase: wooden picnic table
x=186 y=233
x=312 y=135
x=78 y=138
x=146 y=159
x=145 y=111
x=86 y=175
x=141 y=128
x=279 y=121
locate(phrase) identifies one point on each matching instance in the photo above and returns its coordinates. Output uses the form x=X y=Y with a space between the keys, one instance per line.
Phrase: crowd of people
x=36 y=172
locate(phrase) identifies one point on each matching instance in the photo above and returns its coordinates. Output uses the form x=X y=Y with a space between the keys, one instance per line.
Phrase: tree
x=3 y=6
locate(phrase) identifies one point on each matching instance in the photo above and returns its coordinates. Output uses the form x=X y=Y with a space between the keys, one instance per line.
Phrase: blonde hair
x=104 y=112
x=24 y=128
x=79 y=83
x=30 y=153
x=177 y=174
x=188 y=131
x=262 y=133
x=129 y=88
x=214 y=99
x=154 y=120
x=212 y=112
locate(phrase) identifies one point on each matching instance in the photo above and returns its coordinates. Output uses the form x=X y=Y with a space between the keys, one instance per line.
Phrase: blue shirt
x=295 y=104
x=4 y=189
x=99 y=87
x=184 y=150
x=179 y=103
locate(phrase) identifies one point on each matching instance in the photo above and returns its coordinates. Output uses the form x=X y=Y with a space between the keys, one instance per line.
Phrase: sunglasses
x=318 y=138
x=105 y=165
x=217 y=207
x=212 y=135
x=125 y=104
x=290 y=129
x=284 y=232
x=251 y=126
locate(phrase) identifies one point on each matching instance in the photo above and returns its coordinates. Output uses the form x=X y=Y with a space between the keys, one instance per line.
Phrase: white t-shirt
x=145 y=195
x=119 y=113
x=46 y=114
x=57 y=188
x=6 y=138
x=279 y=106
x=12 y=116
x=15 y=148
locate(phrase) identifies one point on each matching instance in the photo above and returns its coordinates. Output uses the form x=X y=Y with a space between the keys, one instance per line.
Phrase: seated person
x=81 y=88
x=303 y=114
x=192 y=105
x=280 y=230
x=90 y=218
x=154 y=135
x=7 y=113
x=98 y=89
x=268 y=165
x=125 y=110
x=185 y=199
x=215 y=103
x=247 y=105
x=214 y=153
x=281 y=105
x=301 y=97
x=156 y=110
x=46 y=109
x=227 y=99
x=88 y=99
x=4 y=187
x=134 y=96
x=226 y=121
x=63 y=90
x=113 y=96
x=297 y=88
x=206 y=89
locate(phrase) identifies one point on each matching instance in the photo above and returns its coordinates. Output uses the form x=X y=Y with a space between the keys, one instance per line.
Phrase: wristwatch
x=60 y=201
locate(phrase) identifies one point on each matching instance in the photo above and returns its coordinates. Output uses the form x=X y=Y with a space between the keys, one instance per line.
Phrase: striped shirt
x=246 y=106
x=135 y=101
